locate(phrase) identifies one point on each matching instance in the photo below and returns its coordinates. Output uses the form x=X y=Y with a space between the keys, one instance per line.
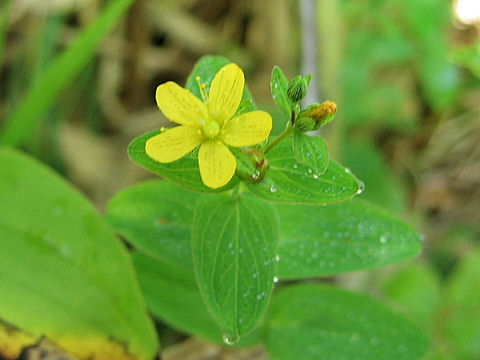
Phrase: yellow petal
x=180 y=105
x=172 y=144
x=217 y=164
x=247 y=129
x=226 y=92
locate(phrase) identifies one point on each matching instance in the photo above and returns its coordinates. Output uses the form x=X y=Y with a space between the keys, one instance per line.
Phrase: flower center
x=211 y=129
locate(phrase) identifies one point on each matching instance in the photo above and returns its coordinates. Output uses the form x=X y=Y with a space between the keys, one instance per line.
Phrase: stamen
x=203 y=89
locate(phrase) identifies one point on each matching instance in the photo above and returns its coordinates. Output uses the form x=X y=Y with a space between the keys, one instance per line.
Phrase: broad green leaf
x=184 y=171
x=66 y=276
x=172 y=295
x=234 y=242
x=49 y=85
x=156 y=217
x=311 y=151
x=287 y=181
x=314 y=240
x=279 y=87
x=313 y=321
x=460 y=318
x=352 y=235
x=205 y=69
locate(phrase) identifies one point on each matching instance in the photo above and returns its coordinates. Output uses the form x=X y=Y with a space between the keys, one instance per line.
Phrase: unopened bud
x=305 y=124
x=322 y=114
x=297 y=88
x=252 y=165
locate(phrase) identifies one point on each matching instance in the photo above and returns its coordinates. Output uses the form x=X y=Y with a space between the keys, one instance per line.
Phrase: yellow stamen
x=203 y=89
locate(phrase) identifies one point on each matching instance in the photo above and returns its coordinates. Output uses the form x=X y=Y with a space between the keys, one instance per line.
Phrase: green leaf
x=66 y=276
x=312 y=321
x=290 y=182
x=416 y=289
x=314 y=241
x=460 y=318
x=311 y=151
x=381 y=186
x=234 y=246
x=156 y=217
x=184 y=171
x=205 y=69
x=49 y=84
x=352 y=235
x=279 y=87
x=172 y=295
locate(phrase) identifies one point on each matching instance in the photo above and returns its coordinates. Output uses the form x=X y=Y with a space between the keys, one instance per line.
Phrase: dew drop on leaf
x=229 y=339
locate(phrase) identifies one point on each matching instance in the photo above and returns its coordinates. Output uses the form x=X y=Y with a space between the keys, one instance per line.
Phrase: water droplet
x=260 y=296
x=162 y=129
x=230 y=339
x=276 y=86
x=315 y=176
x=275 y=279
x=310 y=170
x=255 y=275
x=273 y=189
x=277 y=258
x=361 y=187
x=348 y=171
x=383 y=239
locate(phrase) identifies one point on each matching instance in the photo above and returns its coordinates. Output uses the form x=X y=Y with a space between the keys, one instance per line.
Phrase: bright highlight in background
x=467 y=11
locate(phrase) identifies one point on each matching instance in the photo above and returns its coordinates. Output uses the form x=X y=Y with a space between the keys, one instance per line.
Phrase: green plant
x=207 y=258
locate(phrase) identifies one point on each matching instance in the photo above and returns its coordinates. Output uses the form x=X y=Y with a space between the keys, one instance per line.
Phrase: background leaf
x=313 y=321
x=184 y=171
x=311 y=151
x=50 y=83
x=461 y=314
x=234 y=246
x=66 y=276
x=352 y=235
x=290 y=182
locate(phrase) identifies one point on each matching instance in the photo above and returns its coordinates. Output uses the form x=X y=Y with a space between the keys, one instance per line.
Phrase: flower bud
x=322 y=114
x=305 y=124
x=297 y=88
x=252 y=165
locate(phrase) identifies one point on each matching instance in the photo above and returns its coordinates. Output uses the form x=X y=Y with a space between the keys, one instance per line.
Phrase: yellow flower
x=210 y=124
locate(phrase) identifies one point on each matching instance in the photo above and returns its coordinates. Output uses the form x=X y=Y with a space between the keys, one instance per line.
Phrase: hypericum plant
x=233 y=234
x=206 y=255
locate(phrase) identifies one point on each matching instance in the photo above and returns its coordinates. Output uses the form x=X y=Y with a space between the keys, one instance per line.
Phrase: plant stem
x=288 y=130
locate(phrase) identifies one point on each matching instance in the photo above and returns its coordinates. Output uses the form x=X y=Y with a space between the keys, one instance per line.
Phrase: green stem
x=288 y=130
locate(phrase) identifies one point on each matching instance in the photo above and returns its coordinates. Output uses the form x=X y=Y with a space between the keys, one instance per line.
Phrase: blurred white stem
x=309 y=48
